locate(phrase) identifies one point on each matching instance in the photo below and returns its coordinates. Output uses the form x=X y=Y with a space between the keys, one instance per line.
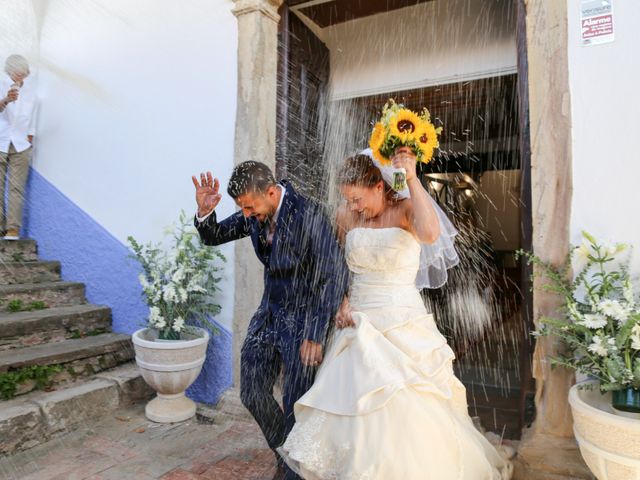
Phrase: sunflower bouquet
x=401 y=127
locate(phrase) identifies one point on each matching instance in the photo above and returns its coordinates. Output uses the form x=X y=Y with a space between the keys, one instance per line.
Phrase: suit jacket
x=305 y=275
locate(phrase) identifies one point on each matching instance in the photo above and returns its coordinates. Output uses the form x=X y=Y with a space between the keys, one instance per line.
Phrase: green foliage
x=77 y=334
x=41 y=374
x=179 y=281
x=17 y=257
x=600 y=318
x=17 y=305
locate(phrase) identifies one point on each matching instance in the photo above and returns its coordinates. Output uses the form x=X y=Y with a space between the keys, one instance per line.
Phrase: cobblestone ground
x=126 y=445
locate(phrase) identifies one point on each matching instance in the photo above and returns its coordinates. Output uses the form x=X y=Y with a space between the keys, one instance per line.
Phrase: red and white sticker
x=596 y=22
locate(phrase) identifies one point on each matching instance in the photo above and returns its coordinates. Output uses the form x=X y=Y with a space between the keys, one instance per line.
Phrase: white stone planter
x=609 y=440
x=170 y=367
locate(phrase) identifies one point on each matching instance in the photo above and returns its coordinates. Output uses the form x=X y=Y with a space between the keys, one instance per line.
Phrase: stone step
x=18 y=251
x=24 y=329
x=14 y=273
x=39 y=416
x=74 y=358
x=53 y=294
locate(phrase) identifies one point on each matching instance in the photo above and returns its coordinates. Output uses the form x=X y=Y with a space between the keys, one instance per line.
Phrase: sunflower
x=404 y=125
x=380 y=157
x=376 y=142
x=377 y=137
x=427 y=136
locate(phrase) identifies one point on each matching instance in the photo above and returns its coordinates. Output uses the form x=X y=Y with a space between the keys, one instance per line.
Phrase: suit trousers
x=264 y=355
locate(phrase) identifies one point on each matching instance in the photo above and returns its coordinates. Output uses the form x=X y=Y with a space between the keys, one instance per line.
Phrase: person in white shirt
x=17 y=127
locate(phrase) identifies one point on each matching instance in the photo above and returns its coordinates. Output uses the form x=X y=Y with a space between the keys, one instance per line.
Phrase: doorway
x=477 y=177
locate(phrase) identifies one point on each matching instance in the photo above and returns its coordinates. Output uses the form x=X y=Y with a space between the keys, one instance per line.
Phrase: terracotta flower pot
x=170 y=367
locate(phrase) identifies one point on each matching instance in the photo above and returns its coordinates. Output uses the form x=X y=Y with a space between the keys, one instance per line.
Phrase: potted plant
x=600 y=328
x=179 y=281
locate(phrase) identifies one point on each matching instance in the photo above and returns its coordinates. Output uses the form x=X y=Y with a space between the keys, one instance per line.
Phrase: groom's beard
x=266 y=222
x=268 y=219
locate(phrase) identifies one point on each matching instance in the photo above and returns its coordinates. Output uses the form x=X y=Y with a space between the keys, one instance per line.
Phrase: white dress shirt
x=274 y=219
x=18 y=120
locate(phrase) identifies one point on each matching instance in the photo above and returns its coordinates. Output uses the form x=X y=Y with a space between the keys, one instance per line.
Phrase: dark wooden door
x=303 y=76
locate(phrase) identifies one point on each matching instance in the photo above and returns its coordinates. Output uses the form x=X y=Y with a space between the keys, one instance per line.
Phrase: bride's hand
x=311 y=353
x=343 y=317
x=405 y=158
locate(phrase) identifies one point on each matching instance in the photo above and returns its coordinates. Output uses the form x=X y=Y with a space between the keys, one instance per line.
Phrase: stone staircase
x=59 y=360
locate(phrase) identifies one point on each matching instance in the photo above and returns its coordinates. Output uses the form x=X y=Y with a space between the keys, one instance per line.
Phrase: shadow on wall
x=91 y=255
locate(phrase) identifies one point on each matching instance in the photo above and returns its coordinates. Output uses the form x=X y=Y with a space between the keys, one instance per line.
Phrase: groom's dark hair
x=250 y=177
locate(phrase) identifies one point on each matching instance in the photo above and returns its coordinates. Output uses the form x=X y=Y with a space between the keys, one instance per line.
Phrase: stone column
x=255 y=139
x=548 y=447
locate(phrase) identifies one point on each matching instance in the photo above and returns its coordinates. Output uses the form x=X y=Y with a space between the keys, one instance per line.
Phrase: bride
x=385 y=404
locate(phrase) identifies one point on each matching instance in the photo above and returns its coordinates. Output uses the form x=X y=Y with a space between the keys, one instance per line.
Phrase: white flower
x=581 y=257
x=599 y=345
x=635 y=337
x=178 y=324
x=143 y=281
x=157 y=296
x=178 y=275
x=154 y=314
x=608 y=249
x=612 y=308
x=155 y=319
x=583 y=251
x=195 y=284
x=594 y=321
x=627 y=291
x=169 y=293
x=182 y=293
x=196 y=288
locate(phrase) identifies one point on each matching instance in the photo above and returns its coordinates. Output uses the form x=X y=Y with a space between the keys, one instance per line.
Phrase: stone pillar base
x=549 y=457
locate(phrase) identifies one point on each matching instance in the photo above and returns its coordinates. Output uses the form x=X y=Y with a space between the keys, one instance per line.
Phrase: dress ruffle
x=366 y=365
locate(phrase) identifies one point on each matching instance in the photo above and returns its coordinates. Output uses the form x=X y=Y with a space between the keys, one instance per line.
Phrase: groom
x=305 y=279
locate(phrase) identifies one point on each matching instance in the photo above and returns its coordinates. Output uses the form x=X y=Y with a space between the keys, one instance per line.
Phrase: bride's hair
x=360 y=171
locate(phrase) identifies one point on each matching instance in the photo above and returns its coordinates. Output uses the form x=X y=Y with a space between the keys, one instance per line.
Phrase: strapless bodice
x=382 y=256
x=383 y=263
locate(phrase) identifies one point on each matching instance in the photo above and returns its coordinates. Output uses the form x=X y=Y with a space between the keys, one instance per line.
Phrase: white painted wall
x=604 y=110
x=136 y=96
x=428 y=44
x=18 y=31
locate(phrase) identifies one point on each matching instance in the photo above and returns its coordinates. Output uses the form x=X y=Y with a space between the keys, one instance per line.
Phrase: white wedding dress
x=385 y=404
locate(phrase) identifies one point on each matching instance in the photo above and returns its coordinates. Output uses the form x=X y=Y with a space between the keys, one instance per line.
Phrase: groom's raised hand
x=207 y=196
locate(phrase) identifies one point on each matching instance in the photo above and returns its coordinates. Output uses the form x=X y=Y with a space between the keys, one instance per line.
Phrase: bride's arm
x=342 y=226
x=421 y=215
x=343 y=316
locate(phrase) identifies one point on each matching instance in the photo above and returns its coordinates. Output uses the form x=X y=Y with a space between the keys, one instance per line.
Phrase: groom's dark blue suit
x=305 y=279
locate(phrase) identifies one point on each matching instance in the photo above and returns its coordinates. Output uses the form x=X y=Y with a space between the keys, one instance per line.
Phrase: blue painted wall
x=91 y=255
